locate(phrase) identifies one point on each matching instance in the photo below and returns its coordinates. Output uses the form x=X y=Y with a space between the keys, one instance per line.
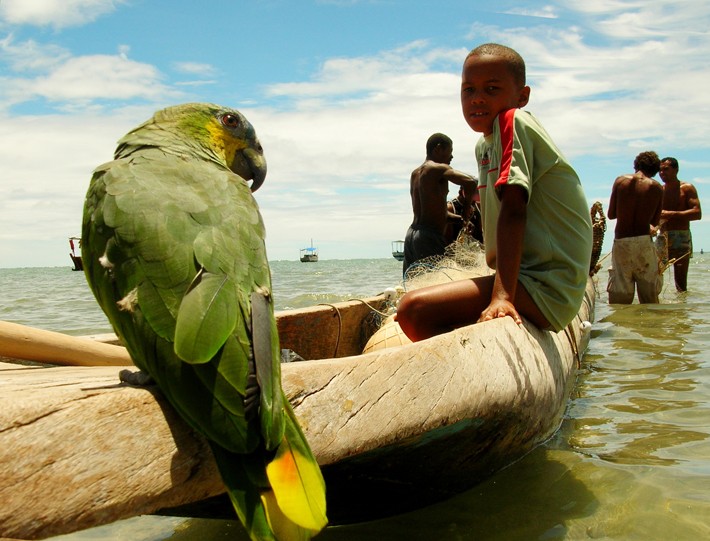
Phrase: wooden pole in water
x=32 y=344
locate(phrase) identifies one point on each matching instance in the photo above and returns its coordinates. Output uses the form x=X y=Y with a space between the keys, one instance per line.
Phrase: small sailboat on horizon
x=310 y=254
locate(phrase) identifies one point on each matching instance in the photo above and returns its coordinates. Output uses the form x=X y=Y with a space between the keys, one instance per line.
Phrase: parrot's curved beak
x=251 y=165
x=259 y=170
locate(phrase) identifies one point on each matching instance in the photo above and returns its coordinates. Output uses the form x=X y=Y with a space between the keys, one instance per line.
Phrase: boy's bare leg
x=433 y=310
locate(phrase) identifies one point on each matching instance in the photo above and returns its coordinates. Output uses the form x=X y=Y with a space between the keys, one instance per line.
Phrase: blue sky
x=343 y=95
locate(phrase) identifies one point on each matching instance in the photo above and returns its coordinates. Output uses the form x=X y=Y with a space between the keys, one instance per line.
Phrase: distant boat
x=76 y=259
x=398 y=250
x=310 y=254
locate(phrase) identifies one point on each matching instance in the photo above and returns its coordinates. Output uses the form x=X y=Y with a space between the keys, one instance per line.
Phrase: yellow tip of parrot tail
x=283 y=528
x=298 y=487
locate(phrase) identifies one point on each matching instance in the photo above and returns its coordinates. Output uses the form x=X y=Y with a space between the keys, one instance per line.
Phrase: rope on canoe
x=377 y=318
x=340 y=326
x=383 y=314
x=598 y=230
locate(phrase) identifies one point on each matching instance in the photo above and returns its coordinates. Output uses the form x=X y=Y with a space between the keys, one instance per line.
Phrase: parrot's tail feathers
x=284 y=528
x=243 y=492
x=296 y=480
x=293 y=508
x=253 y=517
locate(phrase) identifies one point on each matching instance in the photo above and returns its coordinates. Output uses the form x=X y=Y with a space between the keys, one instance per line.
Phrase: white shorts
x=634 y=265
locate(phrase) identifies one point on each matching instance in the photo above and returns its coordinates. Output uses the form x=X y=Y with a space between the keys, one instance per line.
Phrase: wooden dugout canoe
x=392 y=429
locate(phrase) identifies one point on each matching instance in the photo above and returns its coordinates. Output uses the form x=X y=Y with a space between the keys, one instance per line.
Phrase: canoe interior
x=330 y=330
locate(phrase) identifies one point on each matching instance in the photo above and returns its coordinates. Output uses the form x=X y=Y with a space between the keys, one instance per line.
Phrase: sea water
x=631 y=460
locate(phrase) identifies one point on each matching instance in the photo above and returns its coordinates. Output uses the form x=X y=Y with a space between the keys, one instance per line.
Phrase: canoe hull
x=393 y=429
x=400 y=428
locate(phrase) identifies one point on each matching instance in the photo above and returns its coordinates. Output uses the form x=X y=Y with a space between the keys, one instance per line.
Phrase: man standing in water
x=680 y=206
x=635 y=204
x=428 y=187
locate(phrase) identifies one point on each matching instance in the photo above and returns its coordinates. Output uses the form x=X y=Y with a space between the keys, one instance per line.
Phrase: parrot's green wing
x=197 y=340
x=173 y=249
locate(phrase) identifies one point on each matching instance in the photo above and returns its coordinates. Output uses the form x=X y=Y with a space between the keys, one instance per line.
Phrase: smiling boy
x=536 y=221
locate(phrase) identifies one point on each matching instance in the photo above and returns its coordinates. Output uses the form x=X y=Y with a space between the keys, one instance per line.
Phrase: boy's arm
x=509 y=249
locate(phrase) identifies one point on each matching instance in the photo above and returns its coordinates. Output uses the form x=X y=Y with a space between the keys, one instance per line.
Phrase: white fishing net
x=464 y=258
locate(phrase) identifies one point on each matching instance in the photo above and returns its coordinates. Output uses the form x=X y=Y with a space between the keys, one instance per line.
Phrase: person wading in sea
x=680 y=206
x=635 y=204
x=428 y=187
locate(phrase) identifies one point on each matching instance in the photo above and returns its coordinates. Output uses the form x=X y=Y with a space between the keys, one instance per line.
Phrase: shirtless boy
x=536 y=222
x=428 y=187
x=635 y=204
x=680 y=206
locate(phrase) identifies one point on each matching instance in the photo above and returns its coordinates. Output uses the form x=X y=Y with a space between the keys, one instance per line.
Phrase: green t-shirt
x=557 y=245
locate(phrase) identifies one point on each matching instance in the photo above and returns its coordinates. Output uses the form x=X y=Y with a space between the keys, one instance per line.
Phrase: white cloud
x=390 y=72
x=46 y=163
x=30 y=56
x=77 y=81
x=56 y=13
x=545 y=12
x=196 y=68
x=99 y=76
x=206 y=73
x=597 y=99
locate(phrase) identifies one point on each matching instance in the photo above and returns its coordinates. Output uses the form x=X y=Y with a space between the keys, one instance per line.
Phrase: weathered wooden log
x=78 y=450
x=32 y=344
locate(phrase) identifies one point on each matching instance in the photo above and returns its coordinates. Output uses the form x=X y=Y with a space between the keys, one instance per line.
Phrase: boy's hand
x=500 y=308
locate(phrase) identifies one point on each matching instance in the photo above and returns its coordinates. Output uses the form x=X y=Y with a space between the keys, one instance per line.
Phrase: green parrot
x=173 y=250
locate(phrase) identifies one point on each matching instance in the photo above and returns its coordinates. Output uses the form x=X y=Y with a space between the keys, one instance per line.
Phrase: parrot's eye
x=230 y=121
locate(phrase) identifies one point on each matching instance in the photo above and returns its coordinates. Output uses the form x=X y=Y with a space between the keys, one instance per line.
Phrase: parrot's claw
x=138 y=378
x=290 y=356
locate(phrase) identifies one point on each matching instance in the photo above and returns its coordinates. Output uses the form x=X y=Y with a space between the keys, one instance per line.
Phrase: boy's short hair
x=436 y=140
x=648 y=163
x=672 y=161
x=515 y=61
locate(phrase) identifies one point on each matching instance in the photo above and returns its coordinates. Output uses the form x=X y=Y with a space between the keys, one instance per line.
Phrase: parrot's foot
x=290 y=356
x=138 y=378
